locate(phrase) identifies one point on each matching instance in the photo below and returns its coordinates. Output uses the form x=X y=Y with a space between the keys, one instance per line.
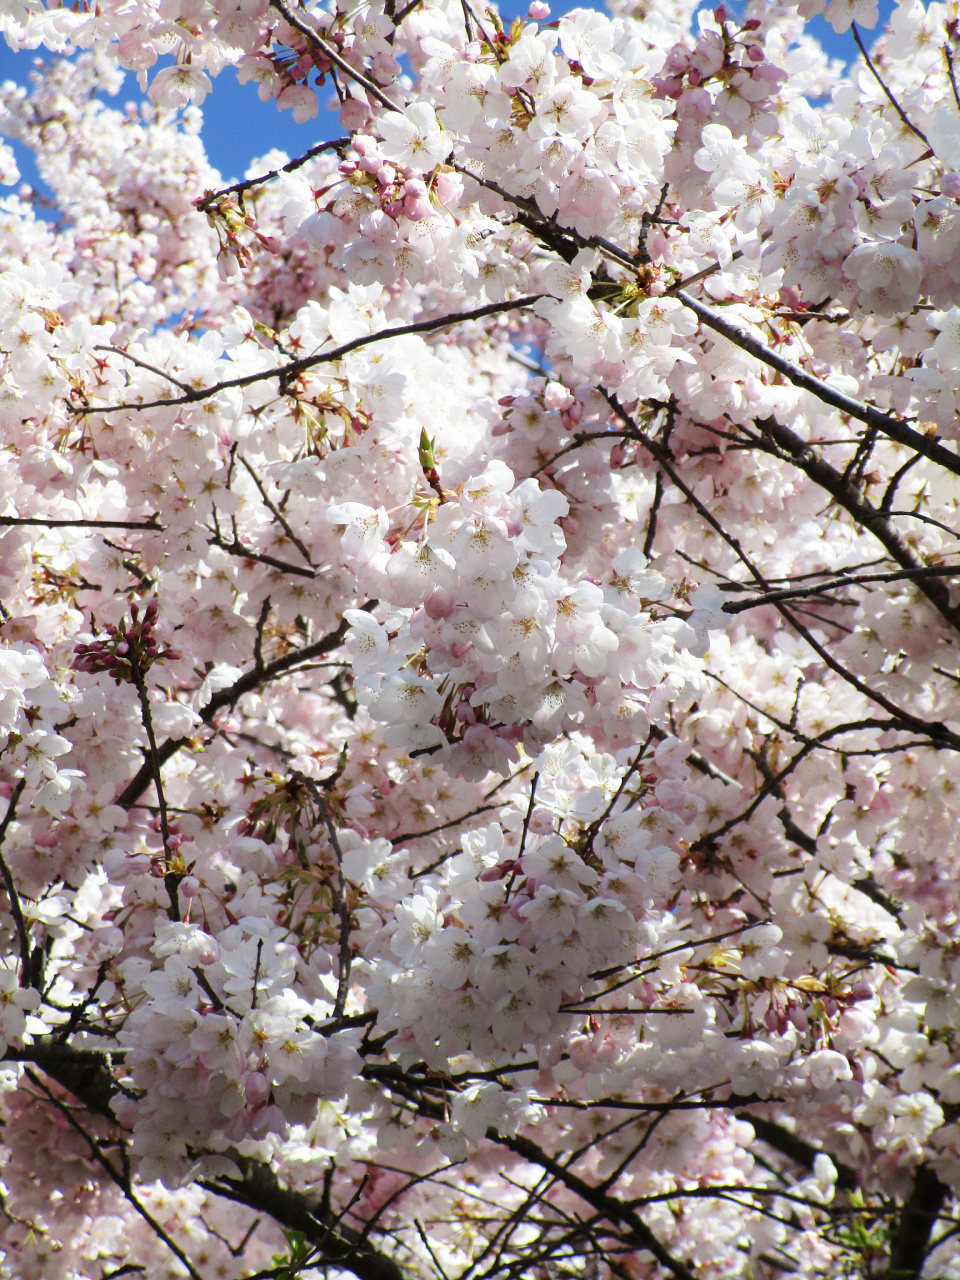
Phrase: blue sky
x=238 y=126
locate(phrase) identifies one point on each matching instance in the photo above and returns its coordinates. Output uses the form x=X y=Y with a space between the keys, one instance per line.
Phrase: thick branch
x=755 y=602
x=340 y=1245
x=23 y=935
x=795 y=1149
x=45 y=523
x=82 y=1072
x=803 y=456
x=882 y=422
x=908 y=1248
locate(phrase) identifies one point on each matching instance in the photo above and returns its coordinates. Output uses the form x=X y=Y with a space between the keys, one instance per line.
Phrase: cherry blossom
x=479 y=775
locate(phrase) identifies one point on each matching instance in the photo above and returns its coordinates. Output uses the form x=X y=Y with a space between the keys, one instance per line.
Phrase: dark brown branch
x=908 y=1248
x=444 y=826
x=250 y=680
x=882 y=422
x=81 y=524
x=953 y=78
x=23 y=936
x=142 y=364
x=211 y=198
x=340 y=895
x=937 y=732
x=121 y=1181
x=276 y=512
x=83 y=1072
x=890 y=98
x=795 y=1149
x=259 y=1189
x=236 y=548
x=738 y=606
x=606 y=1205
x=560 y=239
x=288 y=372
x=847 y=496
x=329 y=52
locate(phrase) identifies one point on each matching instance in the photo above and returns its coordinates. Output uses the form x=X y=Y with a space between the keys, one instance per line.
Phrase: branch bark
x=882 y=422
x=911 y=1239
x=255 y=678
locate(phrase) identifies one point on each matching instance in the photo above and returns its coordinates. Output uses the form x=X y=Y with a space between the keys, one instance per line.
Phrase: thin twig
x=142 y=364
x=892 y=100
x=342 y=906
x=277 y=513
x=16 y=910
x=122 y=1182
x=171 y=880
x=289 y=371
x=212 y=197
x=237 y=548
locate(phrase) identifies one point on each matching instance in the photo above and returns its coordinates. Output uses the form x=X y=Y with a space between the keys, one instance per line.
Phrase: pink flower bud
x=538 y=11
x=228 y=266
x=755 y=53
x=256 y=1090
x=439 y=604
x=499 y=872
x=556 y=397
x=267 y=1120
x=417 y=207
x=354 y=115
x=190 y=887
x=449 y=189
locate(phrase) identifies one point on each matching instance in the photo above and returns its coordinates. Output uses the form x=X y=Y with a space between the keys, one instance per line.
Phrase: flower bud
x=256 y=1090
x=190 y=887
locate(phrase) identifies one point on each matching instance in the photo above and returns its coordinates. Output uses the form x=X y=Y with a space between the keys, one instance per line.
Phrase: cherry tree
x=478 y=745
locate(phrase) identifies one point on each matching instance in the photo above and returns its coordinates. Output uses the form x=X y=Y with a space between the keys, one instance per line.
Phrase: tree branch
x=608 y=1206
x=919 y=1214
x=211 y=198
x=341 y=1246
x=252 y=679
x=756 y=602
x=891 y=427
x=294 y=367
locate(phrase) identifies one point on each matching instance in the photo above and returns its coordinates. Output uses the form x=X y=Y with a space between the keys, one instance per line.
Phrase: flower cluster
x=478 y=742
